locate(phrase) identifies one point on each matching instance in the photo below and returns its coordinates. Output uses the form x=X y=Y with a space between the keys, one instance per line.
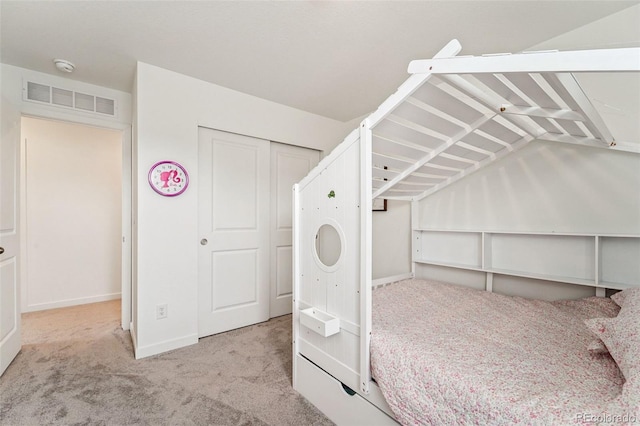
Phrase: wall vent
x=57 y=96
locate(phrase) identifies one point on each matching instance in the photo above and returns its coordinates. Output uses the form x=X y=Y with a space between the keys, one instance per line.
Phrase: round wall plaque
x=168 y=178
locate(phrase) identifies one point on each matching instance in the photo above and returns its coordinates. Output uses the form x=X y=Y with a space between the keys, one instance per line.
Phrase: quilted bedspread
x=445 y=355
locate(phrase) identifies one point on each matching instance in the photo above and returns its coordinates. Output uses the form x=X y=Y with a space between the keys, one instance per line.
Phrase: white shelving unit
x=595 y=260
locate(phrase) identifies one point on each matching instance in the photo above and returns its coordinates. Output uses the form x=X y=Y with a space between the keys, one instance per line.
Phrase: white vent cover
x=56 y=96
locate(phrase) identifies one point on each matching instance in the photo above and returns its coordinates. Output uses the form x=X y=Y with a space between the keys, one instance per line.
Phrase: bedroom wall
x=169 y=109
x=553 y=187
x=391 y=240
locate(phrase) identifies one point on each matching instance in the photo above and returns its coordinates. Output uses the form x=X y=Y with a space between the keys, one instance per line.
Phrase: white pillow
x=621 y=334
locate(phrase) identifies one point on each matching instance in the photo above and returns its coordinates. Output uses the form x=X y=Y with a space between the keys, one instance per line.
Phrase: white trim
x=126 y=226
x=392 y=279
x=410 y=85
x=366 y=253
x=295 y=248
x=597 y=60
x=565 y=234
x=165 y=346
x=71 y=302
x=331 y=268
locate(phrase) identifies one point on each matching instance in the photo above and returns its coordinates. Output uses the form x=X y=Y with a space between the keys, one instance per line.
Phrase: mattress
x=445 y=355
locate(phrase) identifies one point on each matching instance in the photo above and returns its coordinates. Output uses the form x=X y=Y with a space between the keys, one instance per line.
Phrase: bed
x=447 y=354
x=450 y=118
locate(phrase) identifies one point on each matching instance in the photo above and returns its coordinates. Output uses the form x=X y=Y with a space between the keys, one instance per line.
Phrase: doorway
x=71 y=214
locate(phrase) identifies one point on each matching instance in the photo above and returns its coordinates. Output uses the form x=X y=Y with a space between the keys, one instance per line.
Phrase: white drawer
x=328 y=395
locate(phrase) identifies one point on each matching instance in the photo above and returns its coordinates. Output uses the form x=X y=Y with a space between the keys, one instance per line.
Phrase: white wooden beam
x=410 y=85
x=560 y=114
x=399 y=198
x=417 y=127
x=598 y=60
x=493 y=102
x=457 y=158
x=590 y=142
x=514 y=147
x=474 y=148
x=569 y=82
x=421 y=162
x=435 y=111
x=419 y=175
x=627 y=147
x=366 y=253
x=402 y=141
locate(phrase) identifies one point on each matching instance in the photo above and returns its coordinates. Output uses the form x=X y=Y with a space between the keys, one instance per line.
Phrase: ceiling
x=338 y=59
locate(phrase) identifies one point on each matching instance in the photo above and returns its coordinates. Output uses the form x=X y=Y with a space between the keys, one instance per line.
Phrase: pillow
x=619 y=297
x=627 y=405
x=597 y=346
x=621 y=335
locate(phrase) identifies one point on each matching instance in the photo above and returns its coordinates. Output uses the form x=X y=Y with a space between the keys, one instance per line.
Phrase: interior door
x=9 y=238
x=233 y=224
x=289 y=164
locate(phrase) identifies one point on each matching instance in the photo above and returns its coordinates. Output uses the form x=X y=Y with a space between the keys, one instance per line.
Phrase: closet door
x=289 y=164
x=233 y=264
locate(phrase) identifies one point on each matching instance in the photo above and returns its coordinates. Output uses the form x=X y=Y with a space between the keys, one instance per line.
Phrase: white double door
x=244 y=223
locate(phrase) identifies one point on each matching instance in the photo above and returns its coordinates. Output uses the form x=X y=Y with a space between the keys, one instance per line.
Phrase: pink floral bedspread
x=446 y=355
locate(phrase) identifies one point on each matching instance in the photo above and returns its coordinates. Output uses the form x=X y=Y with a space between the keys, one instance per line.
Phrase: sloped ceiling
x=332 y=58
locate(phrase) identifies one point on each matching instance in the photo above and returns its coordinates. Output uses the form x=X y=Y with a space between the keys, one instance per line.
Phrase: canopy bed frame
x=450 y=118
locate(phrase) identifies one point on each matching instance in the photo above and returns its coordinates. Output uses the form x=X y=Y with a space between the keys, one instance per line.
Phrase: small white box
x=321 y=322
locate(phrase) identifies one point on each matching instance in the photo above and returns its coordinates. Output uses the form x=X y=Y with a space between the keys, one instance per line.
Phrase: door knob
x=204 y=242
x=1 y=250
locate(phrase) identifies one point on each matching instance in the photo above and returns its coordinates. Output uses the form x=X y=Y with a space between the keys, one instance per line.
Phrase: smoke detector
x=64 y=65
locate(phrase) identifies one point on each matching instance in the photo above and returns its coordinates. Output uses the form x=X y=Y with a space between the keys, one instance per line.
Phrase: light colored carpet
x=76 y=367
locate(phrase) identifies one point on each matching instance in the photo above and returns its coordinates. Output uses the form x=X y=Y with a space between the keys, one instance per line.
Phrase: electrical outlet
x=161 y=311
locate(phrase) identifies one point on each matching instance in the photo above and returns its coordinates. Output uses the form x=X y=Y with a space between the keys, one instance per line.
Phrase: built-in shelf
x=605 y=261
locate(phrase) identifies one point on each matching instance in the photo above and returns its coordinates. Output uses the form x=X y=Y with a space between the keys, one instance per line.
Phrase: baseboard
x=165 y=346
x=71 y=302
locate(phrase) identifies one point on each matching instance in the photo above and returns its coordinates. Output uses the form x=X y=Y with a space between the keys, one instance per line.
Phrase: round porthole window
x=328 y=245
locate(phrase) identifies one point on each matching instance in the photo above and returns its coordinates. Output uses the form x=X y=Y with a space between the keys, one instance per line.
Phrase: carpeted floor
x=76 y=367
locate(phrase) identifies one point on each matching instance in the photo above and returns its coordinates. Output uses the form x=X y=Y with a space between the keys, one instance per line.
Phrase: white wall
x=392 y=240
x=169 y=109
x=73 y=190
x=544 y=187
x=553 y=187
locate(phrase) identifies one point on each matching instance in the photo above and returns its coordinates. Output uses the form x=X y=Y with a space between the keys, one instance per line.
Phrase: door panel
x=289 y=164
x=234 y=266
x=9 y=238
x=234 y=186
x=233 y=275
